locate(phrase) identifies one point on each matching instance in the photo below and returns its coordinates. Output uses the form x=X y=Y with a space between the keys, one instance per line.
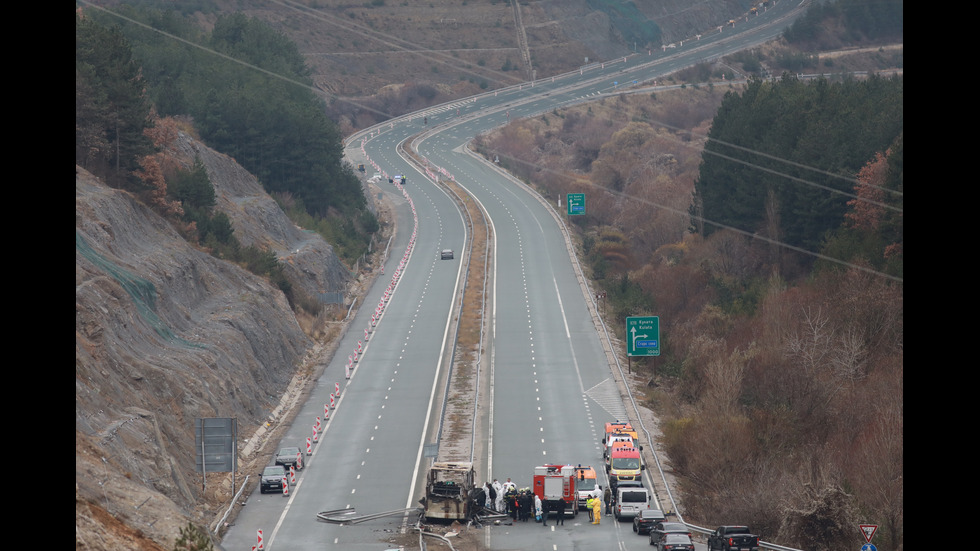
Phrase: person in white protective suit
x=499 y=488
x=486 y=490
x=537 y=507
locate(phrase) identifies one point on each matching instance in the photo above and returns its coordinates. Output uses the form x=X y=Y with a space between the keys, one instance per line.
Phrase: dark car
x=616 y=484
x=446 y=254
x=289 y=457
x=272 y=478
x=646 y=519
x=733 y=538
x=663 y=528
x=676 y=542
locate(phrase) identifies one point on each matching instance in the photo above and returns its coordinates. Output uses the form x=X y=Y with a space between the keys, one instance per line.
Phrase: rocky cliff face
x=308 y=260
x=164 y=334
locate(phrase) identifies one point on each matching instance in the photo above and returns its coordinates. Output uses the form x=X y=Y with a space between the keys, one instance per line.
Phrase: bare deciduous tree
x=825 y=519
x=810 y=343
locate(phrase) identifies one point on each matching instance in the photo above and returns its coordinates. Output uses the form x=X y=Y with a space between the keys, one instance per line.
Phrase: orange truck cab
x=618 y=432
x=619 y=428
x=625 y=462
x=616 y=439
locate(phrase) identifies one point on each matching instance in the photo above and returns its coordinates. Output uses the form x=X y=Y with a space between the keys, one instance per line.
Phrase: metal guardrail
x=348 y=515
x=762 y=544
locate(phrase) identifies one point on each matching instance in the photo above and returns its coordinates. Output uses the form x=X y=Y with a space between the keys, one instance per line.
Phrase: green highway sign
x=643 y=336
x=576 y=203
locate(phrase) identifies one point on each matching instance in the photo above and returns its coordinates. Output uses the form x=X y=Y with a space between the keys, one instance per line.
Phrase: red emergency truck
x=553 y=483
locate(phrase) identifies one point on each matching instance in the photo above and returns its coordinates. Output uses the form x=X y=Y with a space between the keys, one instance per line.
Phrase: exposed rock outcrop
x=166 y=333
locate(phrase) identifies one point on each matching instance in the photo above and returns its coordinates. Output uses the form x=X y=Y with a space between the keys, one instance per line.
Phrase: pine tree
x=192 y=538
x=111 y=110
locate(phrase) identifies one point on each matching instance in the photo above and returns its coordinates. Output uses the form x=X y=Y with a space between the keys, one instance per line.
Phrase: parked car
x=272 y=477
x=288 y=457
x=615 y=484
x=663 y=528
x=447 y=254
x=733 y=538
x=645 y=520
x=676 y=542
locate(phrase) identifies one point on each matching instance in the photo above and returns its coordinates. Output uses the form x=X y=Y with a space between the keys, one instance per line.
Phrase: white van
x=630 y=501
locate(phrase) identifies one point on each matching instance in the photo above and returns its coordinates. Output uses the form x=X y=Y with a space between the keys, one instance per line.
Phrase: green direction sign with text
x=576 y=203
x=643 y=336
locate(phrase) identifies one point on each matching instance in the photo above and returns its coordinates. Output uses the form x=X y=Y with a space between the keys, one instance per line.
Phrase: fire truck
x=554 y=483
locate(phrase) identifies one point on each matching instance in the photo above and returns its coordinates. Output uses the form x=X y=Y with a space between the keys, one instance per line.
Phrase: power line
x=368 y=33
x=392 y=41
x=708 y=221
x=230 y=58
x=848 y=179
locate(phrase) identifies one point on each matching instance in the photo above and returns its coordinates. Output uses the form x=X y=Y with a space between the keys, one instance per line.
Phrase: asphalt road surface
x=550 y=383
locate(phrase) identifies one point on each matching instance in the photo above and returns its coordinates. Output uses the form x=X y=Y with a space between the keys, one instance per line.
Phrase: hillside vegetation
x=382 y=58
x=276 y=128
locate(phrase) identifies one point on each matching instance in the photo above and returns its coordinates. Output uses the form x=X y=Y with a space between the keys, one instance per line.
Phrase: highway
x=545 y=368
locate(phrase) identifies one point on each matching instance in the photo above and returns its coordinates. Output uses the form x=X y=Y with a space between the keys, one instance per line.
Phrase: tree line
x=246 y=89
x=829 y=24
x=111 y=109
x=782 y=157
